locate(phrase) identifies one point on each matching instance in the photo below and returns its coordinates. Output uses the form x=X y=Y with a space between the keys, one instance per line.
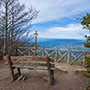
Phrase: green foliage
x=86 y=25
x=86 y=21
x=87 y=61
x=87 y=87
x=87 y=74
x=87 y=44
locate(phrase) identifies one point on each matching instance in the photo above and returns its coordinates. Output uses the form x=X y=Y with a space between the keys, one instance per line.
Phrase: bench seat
x=32 y=67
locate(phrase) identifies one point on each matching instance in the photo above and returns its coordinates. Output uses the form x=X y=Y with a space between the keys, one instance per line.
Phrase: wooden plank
x=62 y=57
x=73 y=55
x=56 y=55
x=83 y=58
x=76 y=59
x=43 y=53
x=32 y=50
x=29 y=52
x=41 y=59
x=46 y=52
x=51 y=53
x=59 y=53
x=33 y=64
x=25 y=51
x=82 y=70
x=39 y=51
x=77 y=51
x=30 y=58
x=33 y=67
x=21 y=52
x=68 y=59
x=18 y=69
x=50 y=73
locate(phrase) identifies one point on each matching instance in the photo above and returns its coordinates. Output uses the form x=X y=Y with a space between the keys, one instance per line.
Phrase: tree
x=86 y=24
x=86 y=21
x=15 y=23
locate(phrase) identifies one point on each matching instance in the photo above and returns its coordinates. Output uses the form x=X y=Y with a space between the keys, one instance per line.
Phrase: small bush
x=87 y=64
x=87 y=74
x=87 y=61
x=87 y=87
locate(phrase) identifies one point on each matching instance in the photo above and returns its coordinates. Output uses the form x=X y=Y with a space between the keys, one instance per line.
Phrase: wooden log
x=46 y=52
x=16 y=52
x=62 y=56
x=33 y=67
x=56 y=55
x=20 y=77
x=50 y=73
x=68 y=59
x=30 y=58
x=76 y=59
x=61 y=69
x=43 y=53
x=33 y=64
x=82 y=70
x=21 y=52
x=83 y=58
x=73 y=55
x=51 y=53
x=18 y=69
x=10 y=67
x=41 y=59
x=29 y=52
x=59 y=53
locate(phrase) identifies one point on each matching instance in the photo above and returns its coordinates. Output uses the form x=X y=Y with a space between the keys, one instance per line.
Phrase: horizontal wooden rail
x=69 y=56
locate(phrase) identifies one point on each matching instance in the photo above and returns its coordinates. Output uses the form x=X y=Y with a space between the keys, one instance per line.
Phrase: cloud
x=68 y=28
x=56 y=9
x=71 y=31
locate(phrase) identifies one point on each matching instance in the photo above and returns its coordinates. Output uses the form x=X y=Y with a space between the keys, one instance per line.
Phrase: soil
x=37 y=79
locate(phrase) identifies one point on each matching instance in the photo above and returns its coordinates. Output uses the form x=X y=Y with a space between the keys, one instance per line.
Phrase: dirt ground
x=37 y=80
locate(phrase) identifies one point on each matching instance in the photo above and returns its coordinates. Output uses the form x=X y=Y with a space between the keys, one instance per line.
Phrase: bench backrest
x=30 y=61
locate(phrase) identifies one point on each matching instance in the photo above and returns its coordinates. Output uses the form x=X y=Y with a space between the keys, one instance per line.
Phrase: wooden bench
x=37 y=63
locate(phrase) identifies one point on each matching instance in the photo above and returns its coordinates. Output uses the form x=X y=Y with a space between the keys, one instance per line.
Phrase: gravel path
x=37 y=80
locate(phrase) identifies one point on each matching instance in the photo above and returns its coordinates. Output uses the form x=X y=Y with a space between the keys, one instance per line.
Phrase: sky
x=57 y=18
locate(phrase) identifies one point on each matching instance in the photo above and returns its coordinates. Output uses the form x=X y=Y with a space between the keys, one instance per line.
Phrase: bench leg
x=12 y=73
x=18 y=69
x=10 y=67
x=50 y=77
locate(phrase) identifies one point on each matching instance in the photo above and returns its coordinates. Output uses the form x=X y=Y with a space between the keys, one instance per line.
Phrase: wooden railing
x=59 y=55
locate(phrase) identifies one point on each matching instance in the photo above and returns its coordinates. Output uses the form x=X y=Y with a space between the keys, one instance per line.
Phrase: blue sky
x=57 y=18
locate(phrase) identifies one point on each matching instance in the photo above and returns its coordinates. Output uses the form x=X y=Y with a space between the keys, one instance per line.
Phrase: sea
x=69 y=44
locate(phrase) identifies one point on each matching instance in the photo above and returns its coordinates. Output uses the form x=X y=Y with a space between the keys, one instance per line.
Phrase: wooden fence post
x=56 y=55
x=68 y=59
x=43 y=53
x=83 y=58
x=28 y=52
x=16 y=51
x=50 y=73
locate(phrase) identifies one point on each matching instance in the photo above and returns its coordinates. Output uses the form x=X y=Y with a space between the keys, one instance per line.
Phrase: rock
x=62 y=69
x=23 y=78
x=20 y=77
x=81 y=70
